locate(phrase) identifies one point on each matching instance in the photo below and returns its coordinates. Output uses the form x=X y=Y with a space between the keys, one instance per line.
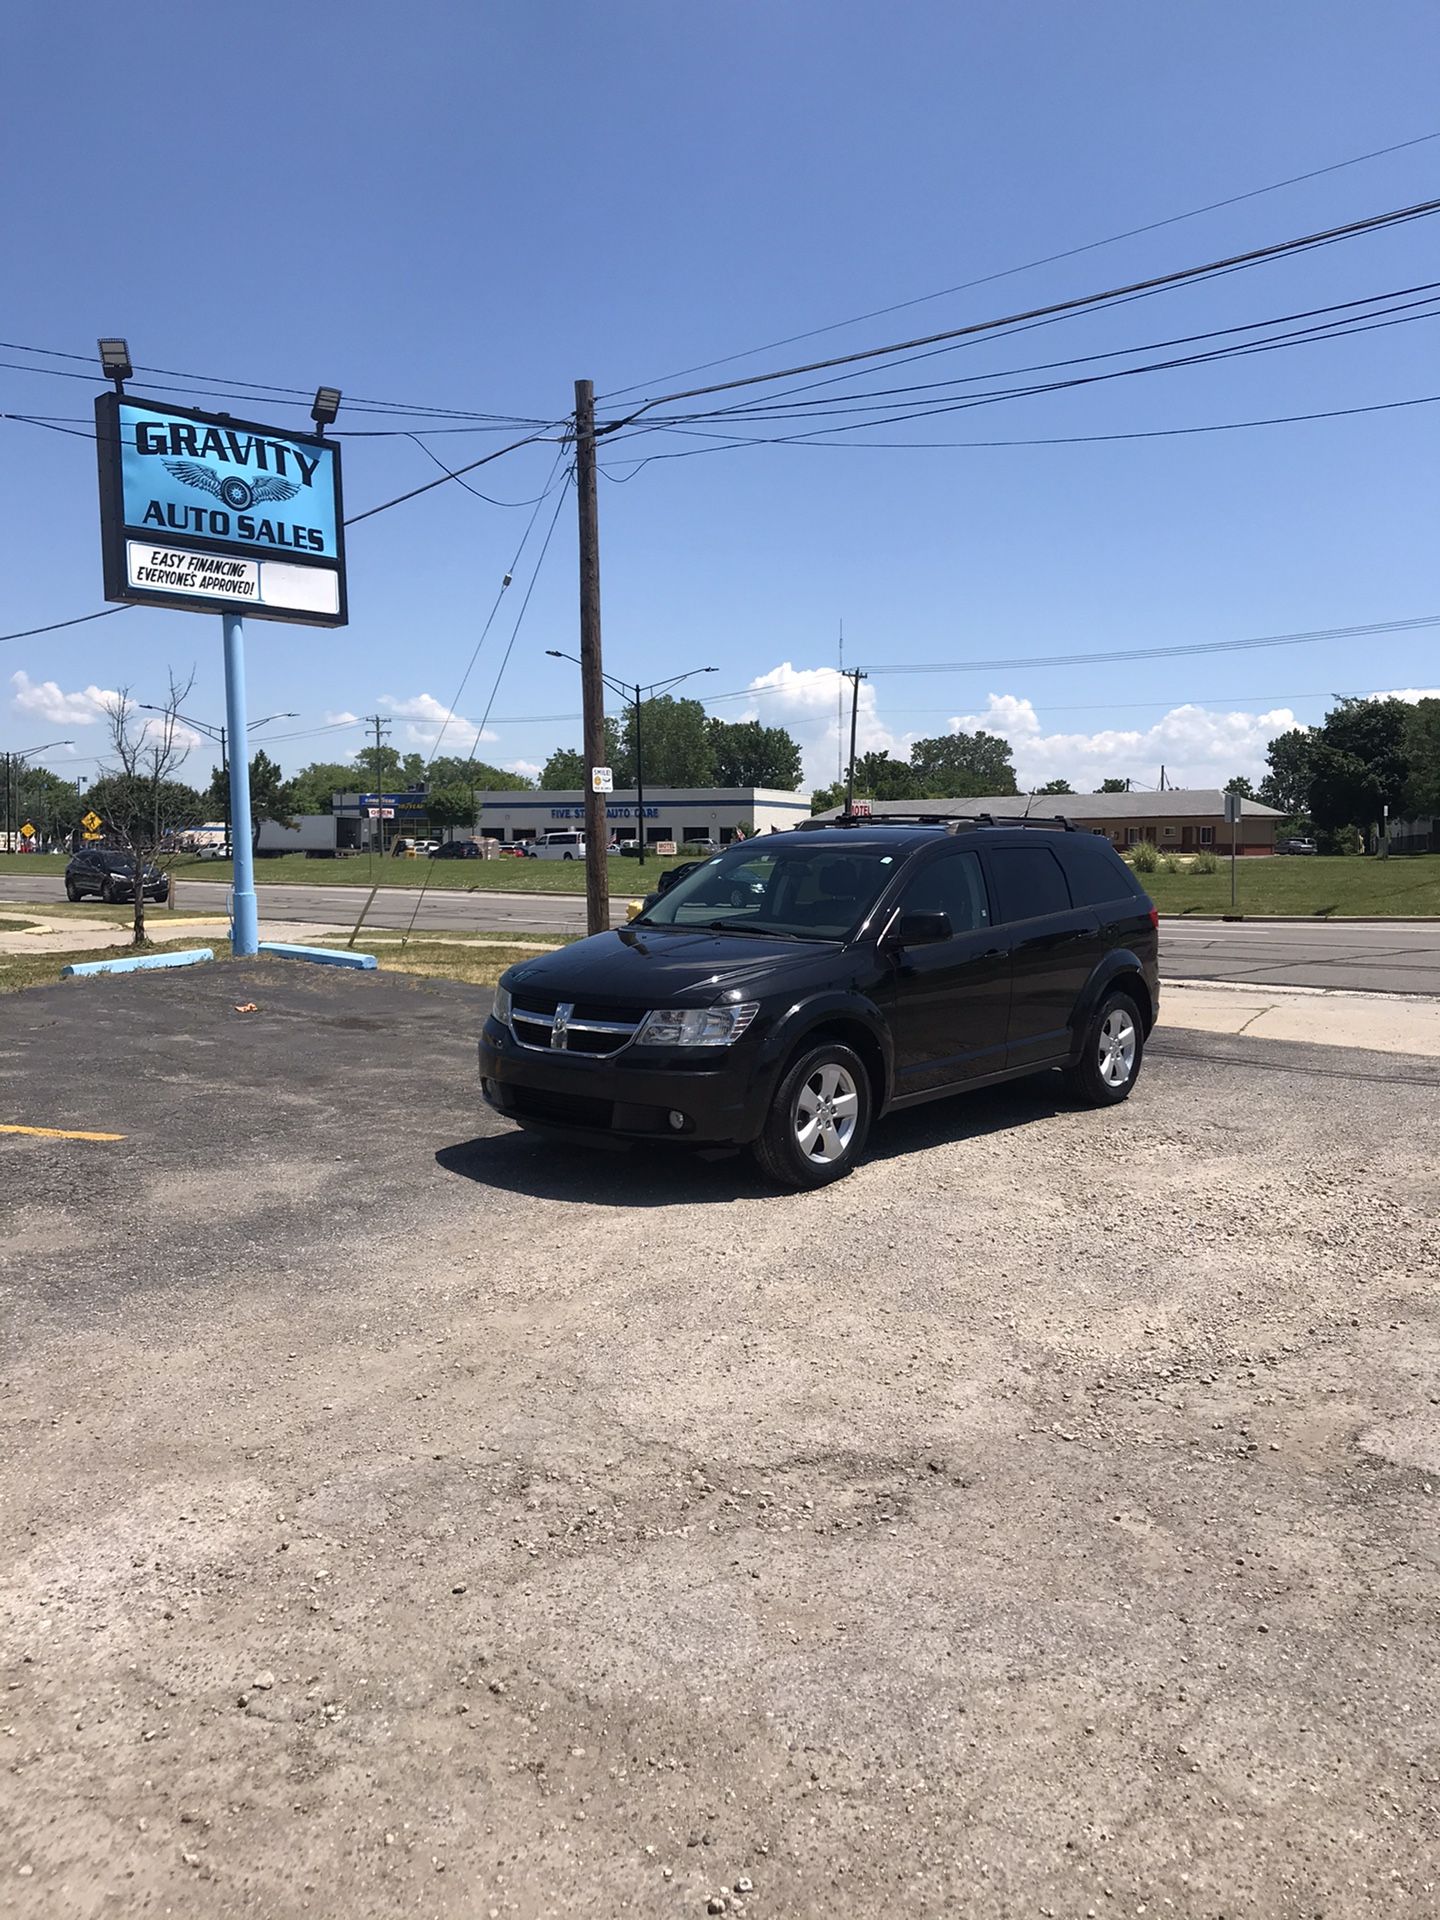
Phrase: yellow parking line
x=61 y=1133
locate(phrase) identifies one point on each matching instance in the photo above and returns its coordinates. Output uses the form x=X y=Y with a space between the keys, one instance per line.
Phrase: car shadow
x=608 y=1175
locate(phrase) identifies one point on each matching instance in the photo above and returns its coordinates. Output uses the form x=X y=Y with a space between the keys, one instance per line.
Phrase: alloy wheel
x=1119 y=1043
x=827 y=1106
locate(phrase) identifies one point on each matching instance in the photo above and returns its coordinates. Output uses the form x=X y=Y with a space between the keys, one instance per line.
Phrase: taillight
x=1155 y=918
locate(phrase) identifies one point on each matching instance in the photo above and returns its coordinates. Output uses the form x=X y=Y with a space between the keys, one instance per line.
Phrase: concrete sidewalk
x=1379 y=1022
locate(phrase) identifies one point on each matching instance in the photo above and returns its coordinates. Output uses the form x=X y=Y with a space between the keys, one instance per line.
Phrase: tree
x=450 y=806
x=746 y=754
x=566 y=769
x=1239 y=784
x=449 y=770
x=1287 y=785
x=1369 y=770
x=1422 y=751
x=882 y=778
x=676 y=749
x=1112 y=785
x=144 y=807
x=1054 y=786
x=271 y=796
x=312 y=788
x=958 y=766
x=824 y=798
x=46 y=801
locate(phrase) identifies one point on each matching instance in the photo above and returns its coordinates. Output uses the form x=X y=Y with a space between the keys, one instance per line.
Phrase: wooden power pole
x=854 y=676
x=592 y=683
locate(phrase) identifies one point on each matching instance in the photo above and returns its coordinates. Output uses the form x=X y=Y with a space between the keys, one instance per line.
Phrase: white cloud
x=342 y=719
x=48 y=701
x=1412 y=694
x=813 y=703
x=533 y=768
x=1196 y=746
x=426 y=718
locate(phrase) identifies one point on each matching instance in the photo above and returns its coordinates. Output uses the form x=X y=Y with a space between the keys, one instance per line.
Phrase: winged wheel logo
x=237 y=494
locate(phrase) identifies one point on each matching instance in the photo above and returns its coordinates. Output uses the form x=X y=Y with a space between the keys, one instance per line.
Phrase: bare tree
x=141 y=793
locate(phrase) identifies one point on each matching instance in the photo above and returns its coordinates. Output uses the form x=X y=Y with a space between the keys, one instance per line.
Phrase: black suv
x=112 y=875
x=794 y=988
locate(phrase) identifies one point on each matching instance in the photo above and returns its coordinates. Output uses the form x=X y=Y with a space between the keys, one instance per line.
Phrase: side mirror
x=920 y=929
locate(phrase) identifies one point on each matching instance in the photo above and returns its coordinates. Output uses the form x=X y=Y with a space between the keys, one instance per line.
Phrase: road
x=1398 y=956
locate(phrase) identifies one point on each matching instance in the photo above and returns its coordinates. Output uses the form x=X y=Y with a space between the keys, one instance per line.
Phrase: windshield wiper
x=762 y=933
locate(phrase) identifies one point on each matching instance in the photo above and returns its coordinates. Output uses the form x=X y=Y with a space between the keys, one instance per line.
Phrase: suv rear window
x=1028 y=882
x=1097 y=873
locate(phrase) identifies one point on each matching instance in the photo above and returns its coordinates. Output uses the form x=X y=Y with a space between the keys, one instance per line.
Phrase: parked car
x=1295 y=844
x=790 y=991
x=629 y=849
x=521 y=850
x=111 y=876
x=559 y=846
x=459 y=850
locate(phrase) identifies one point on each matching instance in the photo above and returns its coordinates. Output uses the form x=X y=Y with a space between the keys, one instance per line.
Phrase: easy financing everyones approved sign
x=203 y=512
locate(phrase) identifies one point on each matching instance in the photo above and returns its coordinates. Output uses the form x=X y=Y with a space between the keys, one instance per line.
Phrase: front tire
x=819 y=1119
x=72 y=892
x=108 y=894
x=1112 y=1049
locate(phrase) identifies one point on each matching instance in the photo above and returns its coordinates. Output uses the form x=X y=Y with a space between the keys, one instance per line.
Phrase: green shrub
x=1145 y=856
x=1169 y=863
x=1204 y=862
x=1340 y=840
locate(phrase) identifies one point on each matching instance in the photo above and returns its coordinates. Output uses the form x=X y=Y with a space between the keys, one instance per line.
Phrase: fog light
x=677 y=1120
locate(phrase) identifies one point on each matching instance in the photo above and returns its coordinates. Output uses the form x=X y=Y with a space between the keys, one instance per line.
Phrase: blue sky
x=469 y=206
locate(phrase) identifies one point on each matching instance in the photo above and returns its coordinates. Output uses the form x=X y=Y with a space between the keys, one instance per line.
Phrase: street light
x=636 y=694
x=327 y=405
x=220 y=736
x=10 y=759
x=115 y=362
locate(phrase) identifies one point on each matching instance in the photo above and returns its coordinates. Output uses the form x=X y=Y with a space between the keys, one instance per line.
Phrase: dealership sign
x=201 y=511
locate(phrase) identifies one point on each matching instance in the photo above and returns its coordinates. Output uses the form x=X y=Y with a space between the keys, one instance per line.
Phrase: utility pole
x=229 y=809
x=592 y=683
x=639 y=778
x=855 y=676
x=379 y=722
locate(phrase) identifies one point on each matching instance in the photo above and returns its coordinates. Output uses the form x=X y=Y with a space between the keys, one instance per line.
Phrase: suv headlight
x=696 y=1026
x=501 y=1008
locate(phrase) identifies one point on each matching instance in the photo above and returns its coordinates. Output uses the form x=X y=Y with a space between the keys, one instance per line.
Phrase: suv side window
x=953 y=886
x=1028 y=882
x=1098 y=876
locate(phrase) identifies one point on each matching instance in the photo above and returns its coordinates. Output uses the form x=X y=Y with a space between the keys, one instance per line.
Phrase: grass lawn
x=627 y=878
x=479 y=962
x=1318 y=887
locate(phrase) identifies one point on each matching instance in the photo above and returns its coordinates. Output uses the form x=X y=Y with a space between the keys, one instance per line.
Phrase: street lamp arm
x=202 y=726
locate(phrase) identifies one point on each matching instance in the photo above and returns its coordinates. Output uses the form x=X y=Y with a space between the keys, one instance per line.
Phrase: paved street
x=1400 y=956
x=418 y=1517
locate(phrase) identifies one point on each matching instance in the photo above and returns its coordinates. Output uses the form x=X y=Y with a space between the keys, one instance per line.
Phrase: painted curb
x=323 y=956
x=190 y=958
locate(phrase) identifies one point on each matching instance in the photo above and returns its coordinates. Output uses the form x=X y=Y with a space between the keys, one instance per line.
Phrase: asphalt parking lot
x=404 y=1515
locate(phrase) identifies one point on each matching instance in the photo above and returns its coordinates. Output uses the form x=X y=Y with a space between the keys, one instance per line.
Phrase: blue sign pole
x=244 y=919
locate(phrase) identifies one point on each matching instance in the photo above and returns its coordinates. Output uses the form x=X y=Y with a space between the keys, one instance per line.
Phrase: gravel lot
x=404 y=1516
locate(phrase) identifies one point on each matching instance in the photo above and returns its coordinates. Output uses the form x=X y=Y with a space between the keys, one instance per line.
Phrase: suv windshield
x=779 y=886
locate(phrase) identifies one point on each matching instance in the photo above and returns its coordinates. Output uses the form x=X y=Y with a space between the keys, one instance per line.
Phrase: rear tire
x=819 y=1119
x=1112 y=1049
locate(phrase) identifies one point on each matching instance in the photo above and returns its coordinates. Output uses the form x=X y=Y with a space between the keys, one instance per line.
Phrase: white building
x=671 y=813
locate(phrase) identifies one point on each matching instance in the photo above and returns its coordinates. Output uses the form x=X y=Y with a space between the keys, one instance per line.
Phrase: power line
x=1041 y=440
x=1255 y=256
x=1045 y=260
x=1163 y=653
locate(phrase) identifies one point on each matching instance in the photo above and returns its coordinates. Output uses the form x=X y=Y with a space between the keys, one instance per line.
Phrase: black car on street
x=110 y=874
x=793 y=989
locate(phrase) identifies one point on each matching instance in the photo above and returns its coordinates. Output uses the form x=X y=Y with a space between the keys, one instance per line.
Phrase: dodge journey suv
x=790 y=991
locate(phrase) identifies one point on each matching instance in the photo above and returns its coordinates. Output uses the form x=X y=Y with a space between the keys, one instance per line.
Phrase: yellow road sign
x=27 y=832
x=92 y=822
x=90 y=836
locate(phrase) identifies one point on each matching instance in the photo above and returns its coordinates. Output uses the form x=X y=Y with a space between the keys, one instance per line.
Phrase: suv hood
x=661 y=966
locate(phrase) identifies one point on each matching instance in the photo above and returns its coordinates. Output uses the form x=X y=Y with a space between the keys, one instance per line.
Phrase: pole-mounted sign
x=201 y=511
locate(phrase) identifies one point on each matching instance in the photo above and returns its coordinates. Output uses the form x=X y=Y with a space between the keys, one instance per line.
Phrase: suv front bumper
x=629 y=1095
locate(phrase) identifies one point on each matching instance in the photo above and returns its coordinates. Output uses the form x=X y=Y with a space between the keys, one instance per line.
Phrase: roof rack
x=952 y=822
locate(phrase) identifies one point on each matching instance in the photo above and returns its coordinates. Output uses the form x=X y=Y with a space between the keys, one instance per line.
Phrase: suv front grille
x=550 y=1025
